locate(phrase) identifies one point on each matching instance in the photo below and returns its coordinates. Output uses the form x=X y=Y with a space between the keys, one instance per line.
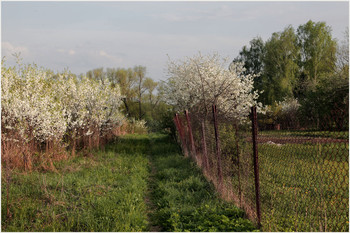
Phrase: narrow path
x=151 y=208
x=140 y=183
x=181 y=199
x=153 y=227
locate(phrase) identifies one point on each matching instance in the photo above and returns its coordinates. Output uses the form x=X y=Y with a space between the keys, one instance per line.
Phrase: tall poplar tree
x=318 y=52
x=280 y=66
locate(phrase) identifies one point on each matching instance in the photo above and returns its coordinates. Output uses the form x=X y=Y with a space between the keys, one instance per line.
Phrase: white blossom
x=44 y=106
x=201 y=81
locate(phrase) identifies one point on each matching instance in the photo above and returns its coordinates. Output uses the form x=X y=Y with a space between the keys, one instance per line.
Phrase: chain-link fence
x=287 y=177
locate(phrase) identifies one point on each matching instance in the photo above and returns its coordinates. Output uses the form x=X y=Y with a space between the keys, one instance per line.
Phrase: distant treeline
x=299 y=72
x=141 y=95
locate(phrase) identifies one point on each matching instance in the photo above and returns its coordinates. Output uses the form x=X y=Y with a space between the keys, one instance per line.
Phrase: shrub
x=42 y=111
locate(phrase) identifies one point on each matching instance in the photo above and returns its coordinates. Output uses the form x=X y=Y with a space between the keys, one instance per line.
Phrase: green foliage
x=139 y=97
x=318 y=50
x=210 y=219
x=326 y=106
x=134 y=126
x=307 y=65
x=150 y=86
x=126 y=78
x=96 y=74
x=280 y=67
x=342 y=65
x=253 y=60
x=159 y=118
x=286 y=113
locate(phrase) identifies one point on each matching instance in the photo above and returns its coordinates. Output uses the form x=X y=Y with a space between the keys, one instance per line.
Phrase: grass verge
x=185 y=201
x=102 y=192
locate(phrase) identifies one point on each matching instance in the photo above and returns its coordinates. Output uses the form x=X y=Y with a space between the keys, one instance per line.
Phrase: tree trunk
x=98 y=137
x=140 y=110
x=126 y=107
x=74 y=145
x=47 y=146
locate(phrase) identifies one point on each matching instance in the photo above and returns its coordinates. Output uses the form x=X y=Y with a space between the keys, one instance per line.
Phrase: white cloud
x=112 y=58
x=103 y=53
x=64 y=51
x=71 y=52
x=195 y=14
x=174 y=17
x=8 y=49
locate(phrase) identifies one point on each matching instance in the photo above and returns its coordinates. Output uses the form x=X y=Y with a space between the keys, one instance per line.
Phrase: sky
x=82 y=36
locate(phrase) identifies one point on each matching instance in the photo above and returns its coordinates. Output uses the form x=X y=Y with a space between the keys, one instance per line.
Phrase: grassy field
x=304 y=178
x=306 y=133
x=304 y=187
x=101 y=192
x=139 y=183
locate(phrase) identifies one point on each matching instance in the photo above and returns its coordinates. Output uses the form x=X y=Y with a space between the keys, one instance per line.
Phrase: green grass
x=139 y=183
x=304 y=187
x=306 y=133
x=184 y=200
x=101 y=193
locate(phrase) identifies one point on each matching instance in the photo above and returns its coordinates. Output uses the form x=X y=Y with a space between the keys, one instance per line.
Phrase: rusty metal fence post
x=205 y=163
x=193 y=148
x=218 y=151
x=181 y=134
x=176 y=122
x=238 y=166
x=256 y=164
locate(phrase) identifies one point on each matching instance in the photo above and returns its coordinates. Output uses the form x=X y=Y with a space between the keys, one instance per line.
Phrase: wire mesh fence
x=286 y=178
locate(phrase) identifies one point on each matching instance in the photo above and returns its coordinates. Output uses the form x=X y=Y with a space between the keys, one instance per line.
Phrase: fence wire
x=303 y=172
